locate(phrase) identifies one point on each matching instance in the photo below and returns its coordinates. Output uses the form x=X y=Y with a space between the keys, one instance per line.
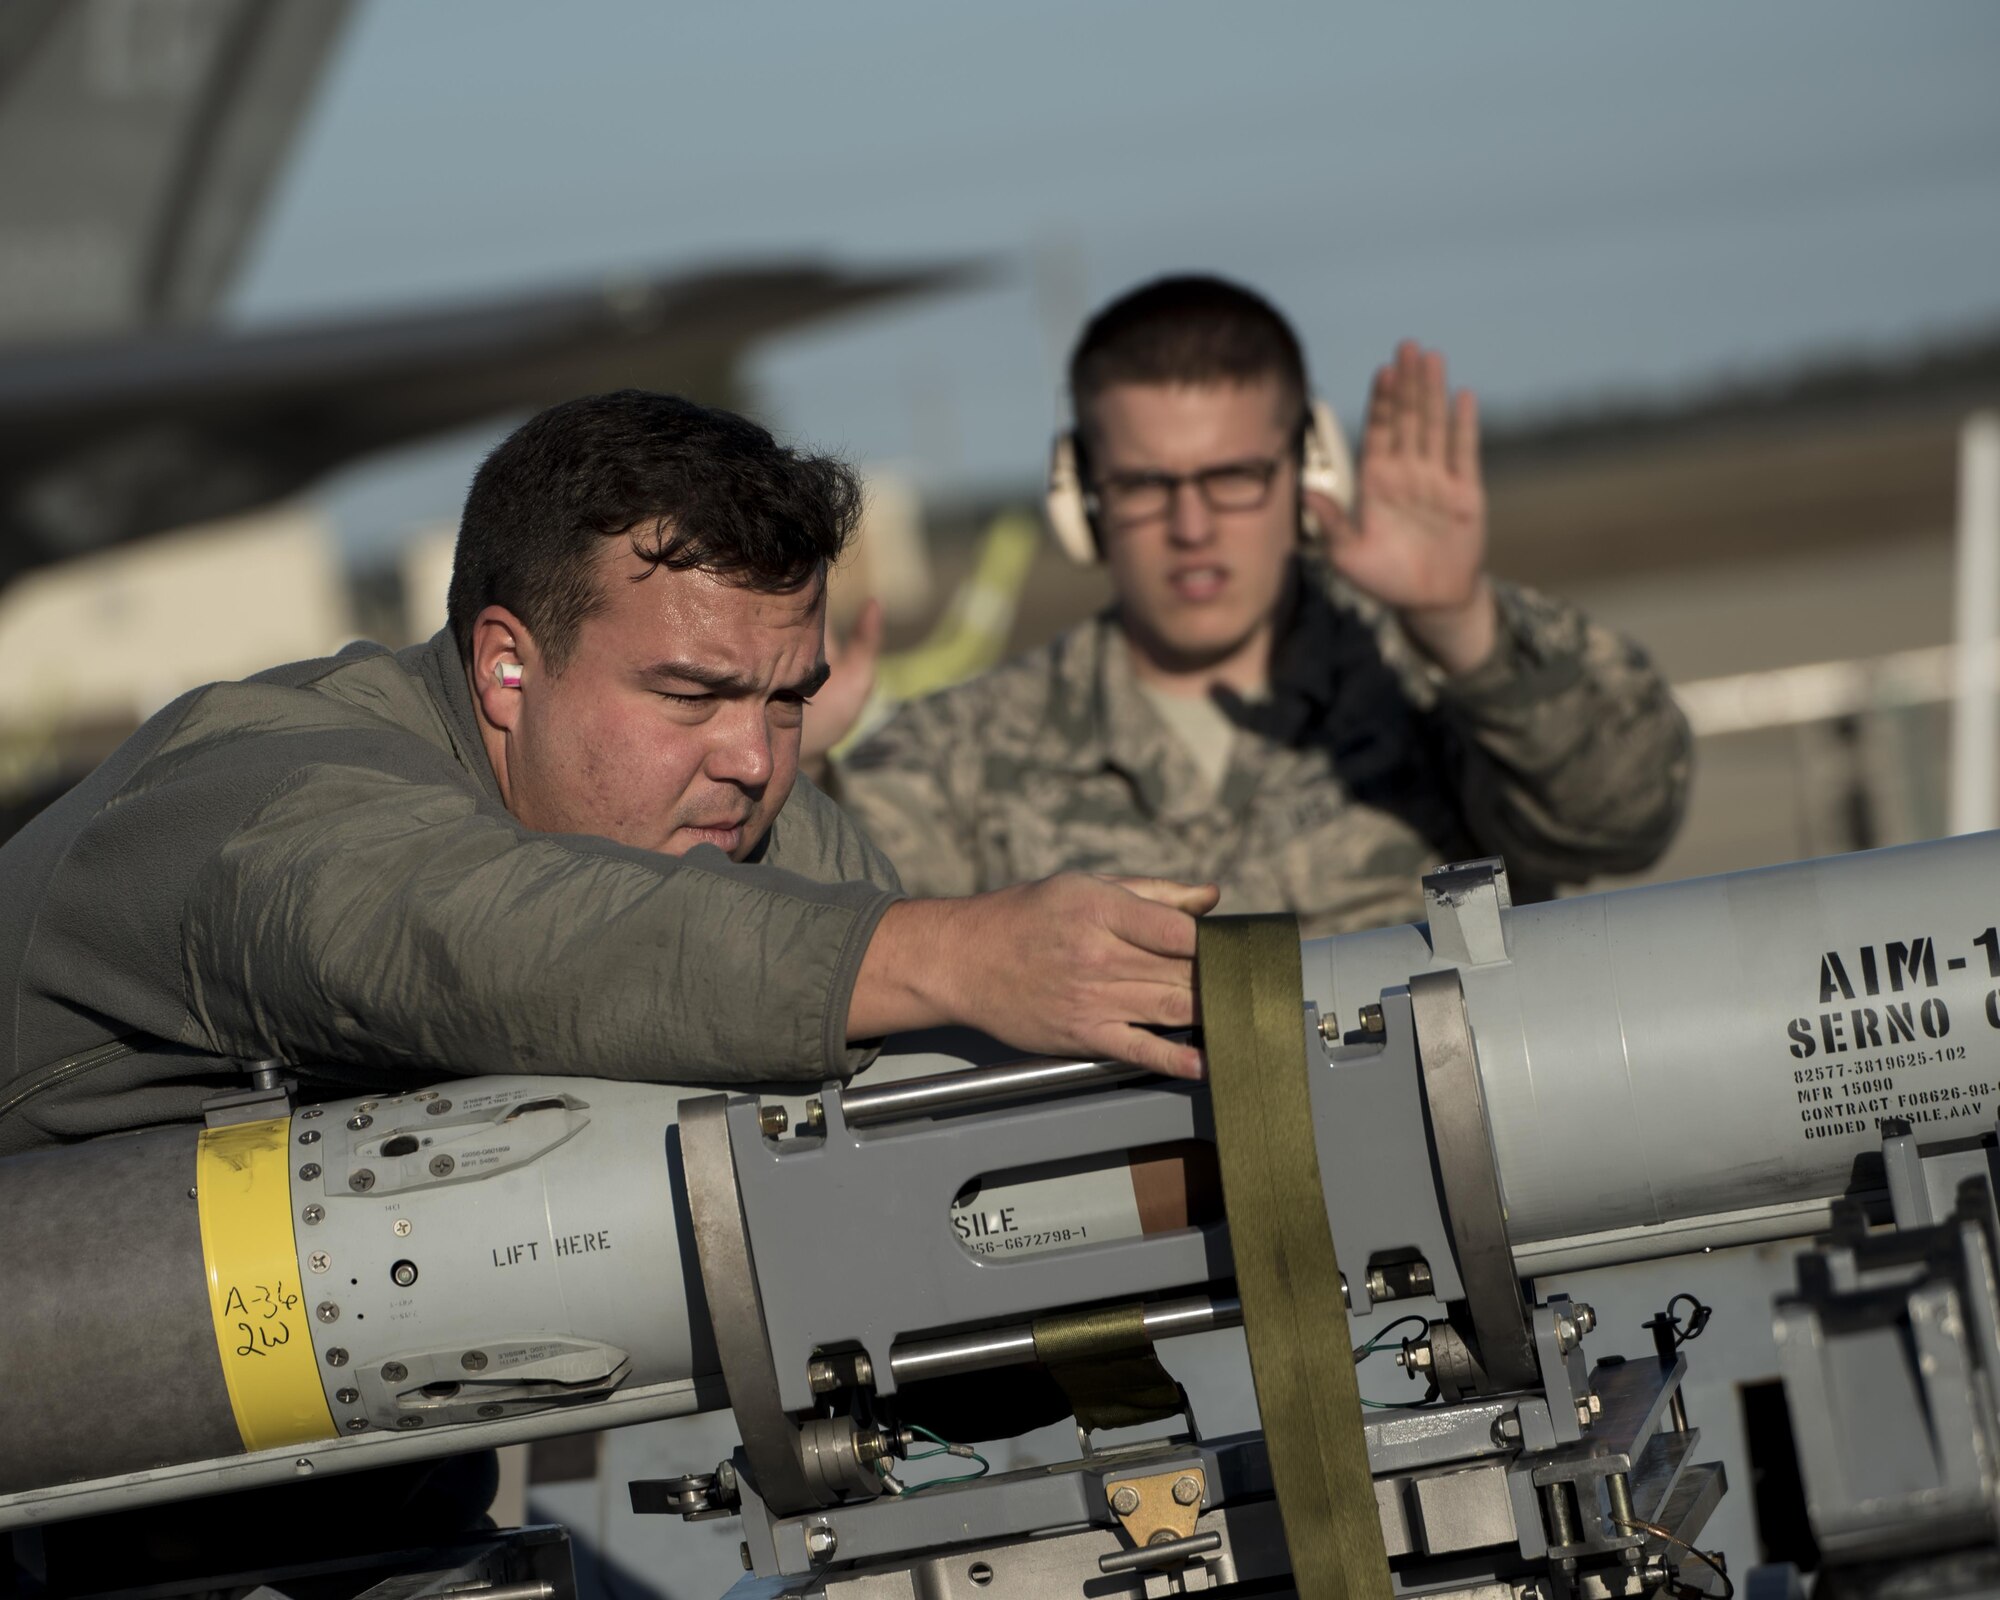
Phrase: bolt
x=1414 y=1358
x=327 y=1311
x=403 y=1274
x=820 y=1376
x=473 y=1361
x=820 y=1542
x=362 y=1181
x=441 y=1166
x=357 y=1424
x=1596 y=1405
x=310 y=1136
x=1124 y=1499
x=815 y=1117
x=1372 y=1020
x=1329 y=1031
x=309 y=1171
x=313 y=1213
x=336 y=1357
x=402 y=1227
x=394 y=1372
x=1187 y=1490
x=438 y=1108
x=1586 y=1318
x=303 y=1464
x=319 y=1261
x=1566 y=1335
x=871 y=1445
x=773 y=1120
x=193 y=1192
x=1507 y=1429
x=490 y=1409
x=407 y=1423
x=347 y=1397
x=1583 y=1413
x=743 y=1554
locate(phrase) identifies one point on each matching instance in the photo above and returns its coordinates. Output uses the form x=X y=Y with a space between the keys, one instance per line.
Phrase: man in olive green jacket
x=564 y=836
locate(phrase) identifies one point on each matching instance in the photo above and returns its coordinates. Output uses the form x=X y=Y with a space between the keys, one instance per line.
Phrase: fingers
x=1193 y=898
x=1463 y=458
x=1378 y=434
x=1334 y=523
x=1433 y=403
x=1149 y=1050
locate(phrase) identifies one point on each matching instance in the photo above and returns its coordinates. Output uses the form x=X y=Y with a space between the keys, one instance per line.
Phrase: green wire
x=944 y=1447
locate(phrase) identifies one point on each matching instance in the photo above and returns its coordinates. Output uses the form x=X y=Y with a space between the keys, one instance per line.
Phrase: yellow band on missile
x=263 y=1326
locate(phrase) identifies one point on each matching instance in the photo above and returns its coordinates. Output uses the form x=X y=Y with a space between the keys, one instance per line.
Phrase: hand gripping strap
x=1249 y=977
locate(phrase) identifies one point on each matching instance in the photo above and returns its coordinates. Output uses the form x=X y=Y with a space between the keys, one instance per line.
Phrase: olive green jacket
x=1565 y=753
x=315 y=865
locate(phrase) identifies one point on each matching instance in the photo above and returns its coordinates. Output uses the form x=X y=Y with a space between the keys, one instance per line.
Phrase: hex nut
x=1124 y=1499
x=820 y=1542
x=773 y=1121
x=1187 y=1490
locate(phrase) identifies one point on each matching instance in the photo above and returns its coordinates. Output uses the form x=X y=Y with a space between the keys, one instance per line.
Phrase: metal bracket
x=1160 y=1507
x=1462 y=903
x=269 y=1096
x=1466 y=1170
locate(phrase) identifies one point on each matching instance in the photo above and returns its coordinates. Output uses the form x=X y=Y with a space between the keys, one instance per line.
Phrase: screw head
x=360 y=1120
x=319 y=1261
x=1187 y=1490
x=327 y=1311
x=368 y=1105
x=347 y=1397
x=309 y=1171
x=336 y=1357
x=402 y=1227
x=314 y=1213
x=310 y=1136
x=438 y=1108
x=473 y=1361
x=309 y=1113
x=1124 y=1499
x=357 y=1424
x=394 y=1372
x=490 y=1409
x=362 y=1181
x=403 y=1274
x=441 y=1166
x=407 y=1423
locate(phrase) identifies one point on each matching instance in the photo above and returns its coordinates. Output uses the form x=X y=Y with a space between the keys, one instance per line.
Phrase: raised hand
x=1417 y=539
x=850 y=679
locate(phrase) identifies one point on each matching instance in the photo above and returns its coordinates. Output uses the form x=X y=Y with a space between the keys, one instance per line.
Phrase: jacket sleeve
x=897 y=785
x=365 y=914
x=1572 y=756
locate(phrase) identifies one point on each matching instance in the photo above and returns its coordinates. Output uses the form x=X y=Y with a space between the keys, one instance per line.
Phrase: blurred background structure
x=274 y=273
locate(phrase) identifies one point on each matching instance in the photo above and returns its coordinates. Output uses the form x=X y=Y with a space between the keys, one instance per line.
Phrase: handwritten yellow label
x=263 y=1327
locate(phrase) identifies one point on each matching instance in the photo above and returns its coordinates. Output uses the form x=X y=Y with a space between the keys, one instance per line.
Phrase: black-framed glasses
x=1229 y=486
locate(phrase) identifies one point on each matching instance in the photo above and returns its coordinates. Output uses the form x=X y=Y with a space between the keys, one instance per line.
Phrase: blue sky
x=1570 y=199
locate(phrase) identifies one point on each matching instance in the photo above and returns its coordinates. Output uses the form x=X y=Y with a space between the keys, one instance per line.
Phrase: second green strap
x=1248 y=973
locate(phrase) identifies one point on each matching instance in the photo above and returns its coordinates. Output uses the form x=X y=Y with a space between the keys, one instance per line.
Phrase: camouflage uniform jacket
x=1564 y=752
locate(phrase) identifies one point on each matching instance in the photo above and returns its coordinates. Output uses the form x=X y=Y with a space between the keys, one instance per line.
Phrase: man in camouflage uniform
x=1311 y=724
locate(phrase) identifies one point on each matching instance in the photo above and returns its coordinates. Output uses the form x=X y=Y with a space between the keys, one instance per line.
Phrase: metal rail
x=875 y=1104
x=1015 y=1346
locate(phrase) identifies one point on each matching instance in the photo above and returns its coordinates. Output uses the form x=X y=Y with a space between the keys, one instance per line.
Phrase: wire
x=1363 y=1351
x=1660 y=1533
x=945 y=1447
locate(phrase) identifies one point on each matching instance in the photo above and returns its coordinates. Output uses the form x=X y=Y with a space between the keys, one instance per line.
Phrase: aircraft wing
x=108 y=442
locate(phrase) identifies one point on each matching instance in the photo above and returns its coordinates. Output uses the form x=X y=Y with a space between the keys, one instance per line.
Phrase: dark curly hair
x=689 y=486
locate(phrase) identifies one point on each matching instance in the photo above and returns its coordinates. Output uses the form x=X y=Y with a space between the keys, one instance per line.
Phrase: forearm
x=1574 y=756
x=907 y=976
x=412 y=929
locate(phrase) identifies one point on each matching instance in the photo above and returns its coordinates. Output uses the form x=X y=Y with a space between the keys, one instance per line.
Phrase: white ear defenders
x=1327 y=469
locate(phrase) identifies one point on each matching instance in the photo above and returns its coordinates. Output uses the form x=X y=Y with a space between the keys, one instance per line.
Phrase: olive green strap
x=1105 y=1365
x=1253 y=1024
